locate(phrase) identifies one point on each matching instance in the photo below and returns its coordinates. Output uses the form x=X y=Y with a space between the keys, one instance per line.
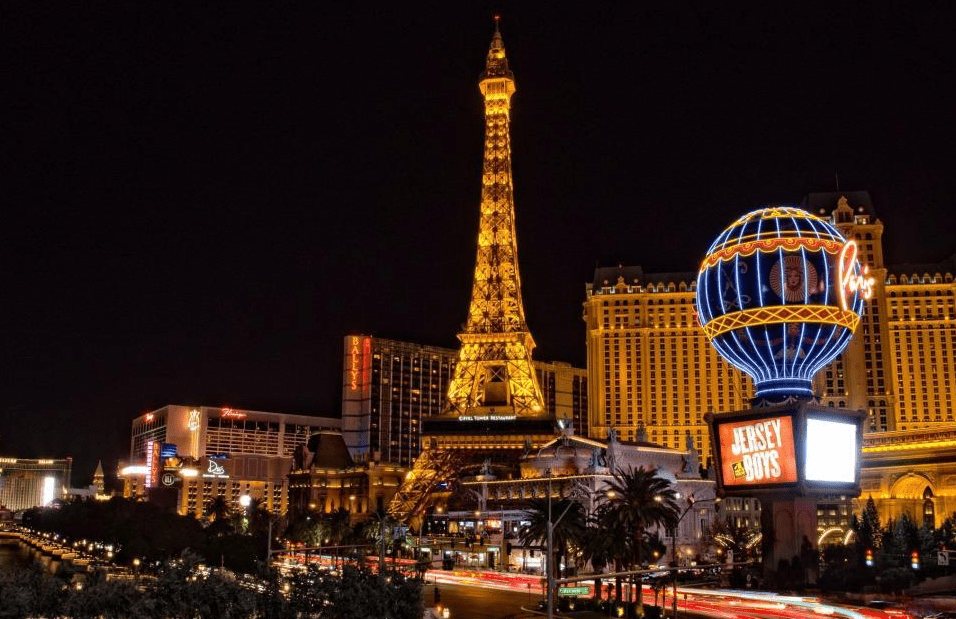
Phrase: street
x=471 y=602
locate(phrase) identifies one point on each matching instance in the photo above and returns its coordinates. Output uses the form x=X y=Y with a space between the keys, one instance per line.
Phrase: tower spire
x=494 y=364
x=496 y=64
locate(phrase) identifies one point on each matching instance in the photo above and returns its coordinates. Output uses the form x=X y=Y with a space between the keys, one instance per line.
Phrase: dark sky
x=199 y=203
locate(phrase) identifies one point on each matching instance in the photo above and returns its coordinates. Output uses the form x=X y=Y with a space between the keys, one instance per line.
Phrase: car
x=946 y=614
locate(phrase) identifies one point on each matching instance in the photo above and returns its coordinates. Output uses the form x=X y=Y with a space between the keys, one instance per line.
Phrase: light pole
x=691 y=502
x=550 y=564
x=551 y=525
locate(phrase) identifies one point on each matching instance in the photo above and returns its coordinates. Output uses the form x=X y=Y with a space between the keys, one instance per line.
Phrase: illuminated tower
x=494 y=364
x=99 y=479
x=494 y=412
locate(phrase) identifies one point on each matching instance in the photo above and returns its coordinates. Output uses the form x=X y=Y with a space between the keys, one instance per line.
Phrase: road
x=471 y=602
x=493 y=601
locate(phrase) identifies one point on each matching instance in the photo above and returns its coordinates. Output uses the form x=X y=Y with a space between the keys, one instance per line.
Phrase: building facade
x=900 y=366
x=29 y=482
x=578 y=468
x=324 y=478
x=389 y=387
x=910 y=472
x=649 y=362
x=190 y=455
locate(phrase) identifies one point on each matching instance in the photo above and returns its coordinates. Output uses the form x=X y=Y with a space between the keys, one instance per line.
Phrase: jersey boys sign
x=758 y=452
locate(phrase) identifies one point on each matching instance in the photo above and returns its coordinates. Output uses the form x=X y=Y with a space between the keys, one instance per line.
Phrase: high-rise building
x=901 y=365
x=203 y=452
x=649 y=362
x=29 y=482
x=389 y=387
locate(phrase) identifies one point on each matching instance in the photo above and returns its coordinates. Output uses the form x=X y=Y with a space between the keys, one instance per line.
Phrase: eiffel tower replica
x=494 y=412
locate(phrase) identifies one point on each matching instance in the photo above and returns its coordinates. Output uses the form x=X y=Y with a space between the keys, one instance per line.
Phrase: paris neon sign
x=850 y=282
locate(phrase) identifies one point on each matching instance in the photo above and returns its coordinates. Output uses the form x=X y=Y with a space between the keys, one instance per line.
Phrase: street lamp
x=551 y=525
x=691 y=502
x=550 y=563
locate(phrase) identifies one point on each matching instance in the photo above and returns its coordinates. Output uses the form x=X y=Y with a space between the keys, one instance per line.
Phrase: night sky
x=199 y=203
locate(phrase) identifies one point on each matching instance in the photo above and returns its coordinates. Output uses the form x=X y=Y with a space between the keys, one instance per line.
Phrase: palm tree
x=338 y=525
x=611 y=542
x=258 y=514
x=599 y=546
x=568 y=531
x=219 y=511
x=638 y=499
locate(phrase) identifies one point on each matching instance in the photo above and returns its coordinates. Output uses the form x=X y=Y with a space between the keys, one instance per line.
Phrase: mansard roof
x=635 y=275
x=908 y=269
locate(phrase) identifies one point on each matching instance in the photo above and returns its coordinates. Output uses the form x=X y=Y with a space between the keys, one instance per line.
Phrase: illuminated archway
x=828 y=533
x=911 y=486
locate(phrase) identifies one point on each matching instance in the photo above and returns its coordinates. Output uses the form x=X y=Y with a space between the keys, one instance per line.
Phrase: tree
x=598 y=546
x=219 y=511
x=870 y=529
x=567 y=532
x=742 y=541
x=639 y=500
x=356 y=594
x=609 y=542
x=259 y=515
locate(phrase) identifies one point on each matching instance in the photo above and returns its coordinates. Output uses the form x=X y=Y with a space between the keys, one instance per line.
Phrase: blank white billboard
x=831 y=451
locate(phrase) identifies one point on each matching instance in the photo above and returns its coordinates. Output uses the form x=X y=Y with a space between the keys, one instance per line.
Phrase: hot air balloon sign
x=779 y=295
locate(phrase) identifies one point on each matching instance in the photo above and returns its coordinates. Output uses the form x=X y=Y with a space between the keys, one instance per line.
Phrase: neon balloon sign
x=779 y=295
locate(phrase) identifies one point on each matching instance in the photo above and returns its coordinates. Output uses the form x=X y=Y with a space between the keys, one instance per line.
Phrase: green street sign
x=574 y=590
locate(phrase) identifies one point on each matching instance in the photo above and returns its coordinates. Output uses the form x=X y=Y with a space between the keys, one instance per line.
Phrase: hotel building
x=649 y=363
x=203 y=452
x=650 y=366
x=389 y=387
x=901 y=365
x=27 y=482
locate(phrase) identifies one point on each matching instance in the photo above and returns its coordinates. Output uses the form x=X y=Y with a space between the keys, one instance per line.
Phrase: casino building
x=649 y=362
x=390 y=386
x=189 y=455
x=29 y=482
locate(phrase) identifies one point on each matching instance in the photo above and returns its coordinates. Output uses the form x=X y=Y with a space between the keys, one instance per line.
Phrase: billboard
x=828 y=457
x=758 y=451
x=797 y=449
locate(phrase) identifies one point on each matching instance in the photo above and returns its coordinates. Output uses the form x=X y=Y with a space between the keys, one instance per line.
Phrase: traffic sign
x=574 y=590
